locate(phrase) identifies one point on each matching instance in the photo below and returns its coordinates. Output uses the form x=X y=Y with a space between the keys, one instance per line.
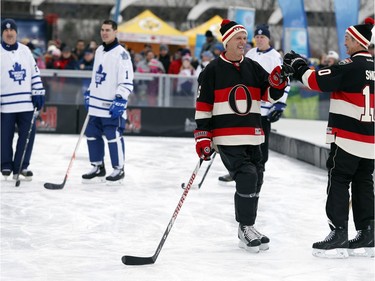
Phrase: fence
x=161 y=105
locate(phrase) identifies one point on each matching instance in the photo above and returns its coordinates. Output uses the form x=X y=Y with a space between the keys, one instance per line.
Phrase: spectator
x=332 y=58
x=144 y=66
x=79 y=49
x=87 y=62
x=207 y=56
x=164 y=57
x=218 y=49
x=210 y=43
x=66 y=60
x=175 y=66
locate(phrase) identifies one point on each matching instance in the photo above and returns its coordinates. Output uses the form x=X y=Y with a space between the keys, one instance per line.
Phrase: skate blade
x=254 y=249
x=361 y=252
x=264 y=247
x=23 y=178
x=114 y=183
x=339 y=253
x=94 y=180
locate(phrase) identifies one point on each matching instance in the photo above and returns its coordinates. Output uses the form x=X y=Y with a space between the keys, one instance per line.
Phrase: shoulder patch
x=124 y=55
x=345 y=61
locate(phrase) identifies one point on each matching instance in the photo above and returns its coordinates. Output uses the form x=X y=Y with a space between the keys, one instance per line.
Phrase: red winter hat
x=229 y=29
x=362 y=32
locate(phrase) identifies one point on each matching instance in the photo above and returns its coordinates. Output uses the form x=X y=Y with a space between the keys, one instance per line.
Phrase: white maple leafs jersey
x=112 y=75
x=268 y=59
x=19 y=77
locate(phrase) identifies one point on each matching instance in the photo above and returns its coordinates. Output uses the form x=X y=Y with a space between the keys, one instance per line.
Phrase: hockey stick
x=35 y=114
x=205 y=173
x=133 y=260
x=61 y=186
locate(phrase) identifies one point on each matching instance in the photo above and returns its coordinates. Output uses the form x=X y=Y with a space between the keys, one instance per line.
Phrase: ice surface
x=82 y=231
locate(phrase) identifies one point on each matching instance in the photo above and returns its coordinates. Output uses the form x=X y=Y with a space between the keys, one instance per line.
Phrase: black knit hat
x=262 y=29
x=229 y=29
x=362 y=32
x=8 y=24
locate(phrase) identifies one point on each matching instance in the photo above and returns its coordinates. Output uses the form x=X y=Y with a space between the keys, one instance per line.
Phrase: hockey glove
x=203 y=144
x=118 y=107
x=277 y=79
x=297 y=62
x=276 y=111
x=38 y=98
x=86 y=97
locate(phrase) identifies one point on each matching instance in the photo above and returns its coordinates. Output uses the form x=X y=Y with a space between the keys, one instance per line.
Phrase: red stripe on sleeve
x=313 y=84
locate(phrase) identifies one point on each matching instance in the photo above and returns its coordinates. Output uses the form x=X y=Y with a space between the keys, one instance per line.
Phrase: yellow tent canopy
x=212 y=24
x=148 y=28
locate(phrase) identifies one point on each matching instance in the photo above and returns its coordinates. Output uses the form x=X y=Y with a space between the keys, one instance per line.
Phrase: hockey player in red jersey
x=350 y=132
x=228 y=117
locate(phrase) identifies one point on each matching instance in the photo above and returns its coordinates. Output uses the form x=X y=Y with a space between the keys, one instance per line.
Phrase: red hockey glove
x=203 y=144
x=277 y=79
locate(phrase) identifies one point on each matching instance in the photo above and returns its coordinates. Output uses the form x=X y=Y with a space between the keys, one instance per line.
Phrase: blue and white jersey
x=112 y=75
x=268 y=59
x=19 y=77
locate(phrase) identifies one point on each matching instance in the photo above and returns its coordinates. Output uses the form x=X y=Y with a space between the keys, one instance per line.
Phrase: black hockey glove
x=297 y=62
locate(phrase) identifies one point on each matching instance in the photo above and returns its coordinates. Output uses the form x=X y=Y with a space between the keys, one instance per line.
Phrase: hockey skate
x=116 y=178
x=363 y=244
x=264 y=240
x=96 y=175
x=248 y=239
x=6 y=173
x=226 y=178
x=333 y=246
x=25 y=175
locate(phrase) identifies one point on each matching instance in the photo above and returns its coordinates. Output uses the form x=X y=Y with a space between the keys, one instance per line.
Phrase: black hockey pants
x=345 y=169
x=244 y=165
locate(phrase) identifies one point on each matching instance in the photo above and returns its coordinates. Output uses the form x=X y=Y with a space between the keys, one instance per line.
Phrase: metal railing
x=159 y=90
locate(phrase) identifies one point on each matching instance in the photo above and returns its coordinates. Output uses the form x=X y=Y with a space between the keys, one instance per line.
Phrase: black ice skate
x=117 y=177
x=363 y=244
x=96 y=175
x=226 y=178
x=248 y=239
x=25 y=175
x=6 y=173
x=334 y=246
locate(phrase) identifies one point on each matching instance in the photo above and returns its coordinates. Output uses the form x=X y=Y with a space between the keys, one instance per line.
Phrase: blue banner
x=295 y=27
x=346 y=12
x=244 y=16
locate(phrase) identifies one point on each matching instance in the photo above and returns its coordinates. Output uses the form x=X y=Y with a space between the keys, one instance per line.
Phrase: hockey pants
x=8 y=128
x=113 y=130
x=244 y=165
x=345 y=169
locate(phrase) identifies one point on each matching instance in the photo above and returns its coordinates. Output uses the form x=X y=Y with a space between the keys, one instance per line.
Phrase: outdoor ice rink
x=81 y=232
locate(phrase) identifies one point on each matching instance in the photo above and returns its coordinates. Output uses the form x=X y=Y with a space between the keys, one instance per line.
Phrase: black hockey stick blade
x=18 y=182
x=49 y=185
x=131 y=260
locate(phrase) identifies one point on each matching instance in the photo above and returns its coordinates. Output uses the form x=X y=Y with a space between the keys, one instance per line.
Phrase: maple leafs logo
x=17 y=73
x=100 y=76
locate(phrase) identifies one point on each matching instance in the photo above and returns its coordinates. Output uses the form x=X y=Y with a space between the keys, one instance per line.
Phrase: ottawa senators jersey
x=228 y=101
x=351 y=113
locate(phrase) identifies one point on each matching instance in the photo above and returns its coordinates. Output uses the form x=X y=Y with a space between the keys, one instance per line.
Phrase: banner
x=346 y=12
x=295 y=27
x=244 y=16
